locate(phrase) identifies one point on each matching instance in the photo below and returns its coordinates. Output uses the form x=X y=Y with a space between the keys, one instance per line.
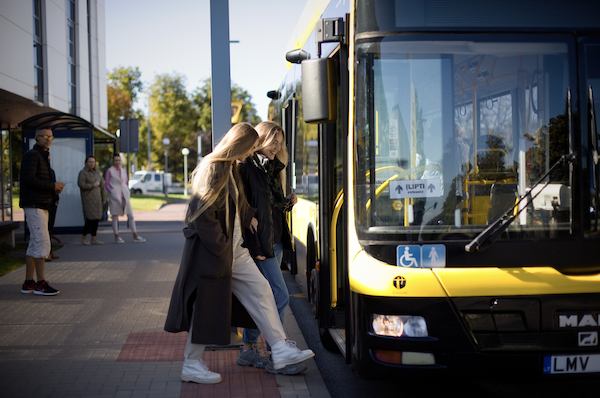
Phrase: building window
x=71 y=55
x=38 y=58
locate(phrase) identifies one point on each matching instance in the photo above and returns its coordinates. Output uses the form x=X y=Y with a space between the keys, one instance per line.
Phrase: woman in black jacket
x=262 y=175
x=215 y=265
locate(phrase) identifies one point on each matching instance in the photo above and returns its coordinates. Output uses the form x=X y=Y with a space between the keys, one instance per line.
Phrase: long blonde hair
x=267 y=131
x=212 y=178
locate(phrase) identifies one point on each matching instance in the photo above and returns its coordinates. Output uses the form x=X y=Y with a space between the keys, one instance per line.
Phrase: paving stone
x=103 y=336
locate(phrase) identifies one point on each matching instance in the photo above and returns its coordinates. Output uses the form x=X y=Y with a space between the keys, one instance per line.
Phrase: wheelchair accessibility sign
x=417 y=256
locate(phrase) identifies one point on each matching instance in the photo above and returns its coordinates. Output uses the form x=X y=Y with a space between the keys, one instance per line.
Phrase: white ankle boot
x=195 y=370
x=285 y=353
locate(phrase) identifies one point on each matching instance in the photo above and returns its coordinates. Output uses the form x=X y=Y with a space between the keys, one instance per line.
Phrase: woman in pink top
x=116 y=185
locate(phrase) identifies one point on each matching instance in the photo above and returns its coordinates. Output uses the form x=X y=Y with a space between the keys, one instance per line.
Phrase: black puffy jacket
x=37 y=187
x=257 y=190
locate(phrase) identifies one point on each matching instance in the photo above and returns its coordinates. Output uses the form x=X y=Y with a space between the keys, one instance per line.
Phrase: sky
x=173 y=36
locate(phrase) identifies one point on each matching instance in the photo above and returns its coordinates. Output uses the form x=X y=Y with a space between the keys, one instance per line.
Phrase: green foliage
x=239 y=94
x=172 y=116
x=142 y=156
x=123 y=86
x=127 y=80
x=202 y=99
x=15 y=197
x=119 y=106
x=174 y=113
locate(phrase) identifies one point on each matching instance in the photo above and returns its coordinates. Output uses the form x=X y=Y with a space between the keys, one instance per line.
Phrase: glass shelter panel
x=454 y=134
x=66 y=158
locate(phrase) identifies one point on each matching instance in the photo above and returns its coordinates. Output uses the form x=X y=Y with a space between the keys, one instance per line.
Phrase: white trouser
x=254 y=292
x=130 y=221
x=39 y=239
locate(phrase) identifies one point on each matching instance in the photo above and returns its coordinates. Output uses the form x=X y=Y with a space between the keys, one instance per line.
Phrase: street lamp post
x=149 y=147
x=185 y=152
x=166 y=143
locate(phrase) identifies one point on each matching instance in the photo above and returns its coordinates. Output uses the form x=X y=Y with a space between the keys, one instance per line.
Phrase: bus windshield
x=452 y=134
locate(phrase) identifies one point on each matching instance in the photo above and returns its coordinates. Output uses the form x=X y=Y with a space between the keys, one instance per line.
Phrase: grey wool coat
x=205 y=278
x=92 y=197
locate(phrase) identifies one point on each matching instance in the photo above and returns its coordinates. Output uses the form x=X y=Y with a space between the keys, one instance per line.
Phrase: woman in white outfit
x=216 y=271
x=116 y=185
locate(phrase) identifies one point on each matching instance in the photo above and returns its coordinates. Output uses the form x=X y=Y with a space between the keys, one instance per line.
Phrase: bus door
x=289 y=122
x=332 y=228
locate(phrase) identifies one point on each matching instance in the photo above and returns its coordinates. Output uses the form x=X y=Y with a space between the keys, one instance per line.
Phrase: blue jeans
x=270 y=268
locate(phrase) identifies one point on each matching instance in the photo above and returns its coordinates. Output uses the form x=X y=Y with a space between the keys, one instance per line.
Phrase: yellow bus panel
x=526 y=281
x=374 y=278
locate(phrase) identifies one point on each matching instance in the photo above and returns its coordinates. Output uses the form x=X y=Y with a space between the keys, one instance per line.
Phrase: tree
x=173 y=116
x=142 y=155
x=122 y=88
x=239 y=94
x=119 y=106
x=202 y=99
x=128 y=80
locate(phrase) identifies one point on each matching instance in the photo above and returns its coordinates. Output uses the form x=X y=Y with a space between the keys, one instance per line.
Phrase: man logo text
x=576 y=321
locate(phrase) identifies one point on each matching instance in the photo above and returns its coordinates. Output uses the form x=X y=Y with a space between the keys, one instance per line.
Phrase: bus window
x=452 y=140
x=592 y=94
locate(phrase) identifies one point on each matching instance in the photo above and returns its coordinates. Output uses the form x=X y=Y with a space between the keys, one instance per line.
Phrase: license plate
x=564 y=364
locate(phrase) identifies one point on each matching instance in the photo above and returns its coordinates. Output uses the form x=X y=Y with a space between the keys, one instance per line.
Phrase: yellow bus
x=445 y=158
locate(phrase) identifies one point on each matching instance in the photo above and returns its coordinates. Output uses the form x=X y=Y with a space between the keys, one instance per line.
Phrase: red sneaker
x=42 y=288
x=28 y=287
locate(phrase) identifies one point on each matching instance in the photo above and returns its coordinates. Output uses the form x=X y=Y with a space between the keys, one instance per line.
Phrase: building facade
x=52 y=59
x=66 y=71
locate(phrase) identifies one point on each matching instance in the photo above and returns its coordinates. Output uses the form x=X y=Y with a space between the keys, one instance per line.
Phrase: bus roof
x=311 y=13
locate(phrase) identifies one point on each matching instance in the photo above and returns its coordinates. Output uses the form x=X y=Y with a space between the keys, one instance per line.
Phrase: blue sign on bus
x=409 y=256
x=433 y=256
x=426 y=256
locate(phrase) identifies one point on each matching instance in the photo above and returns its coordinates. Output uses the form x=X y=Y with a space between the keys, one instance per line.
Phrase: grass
x=153 y=202
x=12 y=258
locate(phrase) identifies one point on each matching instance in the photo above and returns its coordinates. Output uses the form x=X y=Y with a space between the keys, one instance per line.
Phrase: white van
x=153 y=182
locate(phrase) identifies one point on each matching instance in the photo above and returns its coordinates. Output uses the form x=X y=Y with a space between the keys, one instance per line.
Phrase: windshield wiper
x=491 y=233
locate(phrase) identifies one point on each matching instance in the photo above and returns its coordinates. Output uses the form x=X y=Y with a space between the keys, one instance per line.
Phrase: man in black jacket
x=37 y=192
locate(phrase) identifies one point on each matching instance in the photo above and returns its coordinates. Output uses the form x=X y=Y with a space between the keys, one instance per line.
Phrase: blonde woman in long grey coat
x=93 y=196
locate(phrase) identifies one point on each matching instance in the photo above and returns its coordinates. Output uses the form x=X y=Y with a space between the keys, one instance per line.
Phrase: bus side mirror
x=274 y=94
x=319 y=90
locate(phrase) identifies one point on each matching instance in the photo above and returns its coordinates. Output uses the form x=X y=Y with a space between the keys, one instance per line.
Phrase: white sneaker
x=285 y=353
x=196 y=371
x=139 y=239
x=119 y=240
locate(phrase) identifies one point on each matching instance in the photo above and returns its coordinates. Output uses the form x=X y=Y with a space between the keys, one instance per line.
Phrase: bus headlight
x=415 y=326
x=399 y=325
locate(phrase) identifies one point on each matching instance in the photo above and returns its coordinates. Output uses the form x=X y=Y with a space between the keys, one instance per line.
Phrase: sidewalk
x=102 y=336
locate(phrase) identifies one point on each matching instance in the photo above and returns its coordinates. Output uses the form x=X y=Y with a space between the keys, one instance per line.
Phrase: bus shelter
x=74 y=139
